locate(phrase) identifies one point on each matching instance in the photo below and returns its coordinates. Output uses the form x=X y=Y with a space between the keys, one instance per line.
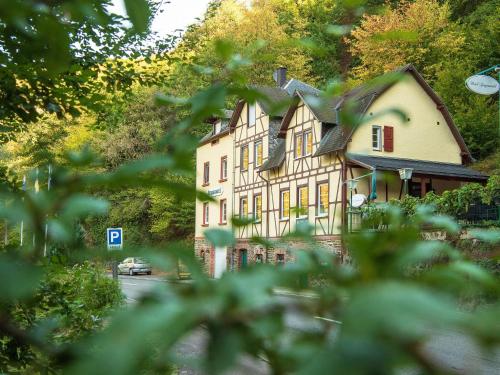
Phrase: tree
x=413 y=32
x=62 y=56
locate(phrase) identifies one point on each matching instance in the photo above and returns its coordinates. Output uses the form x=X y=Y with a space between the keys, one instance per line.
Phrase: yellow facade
x=422 y=135
x=212 y=153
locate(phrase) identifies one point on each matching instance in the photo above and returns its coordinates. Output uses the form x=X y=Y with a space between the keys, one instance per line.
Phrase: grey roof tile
x=276 y=158
x=431 y=168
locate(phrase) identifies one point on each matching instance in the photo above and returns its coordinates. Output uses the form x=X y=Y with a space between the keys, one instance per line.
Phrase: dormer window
x=252 y=115
x=303 y=144
x=217 y=127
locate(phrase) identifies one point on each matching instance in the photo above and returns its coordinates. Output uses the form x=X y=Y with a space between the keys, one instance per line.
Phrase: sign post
x=114 y=239
x=483 y=84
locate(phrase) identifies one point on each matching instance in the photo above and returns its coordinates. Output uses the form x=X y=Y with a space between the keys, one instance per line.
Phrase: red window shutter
x=388 y=138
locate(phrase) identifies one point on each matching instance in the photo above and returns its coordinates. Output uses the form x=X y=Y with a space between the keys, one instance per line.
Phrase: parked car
x=133 y=266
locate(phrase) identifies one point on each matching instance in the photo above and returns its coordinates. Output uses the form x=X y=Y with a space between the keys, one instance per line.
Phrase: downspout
x=343 y=164
x=267 y=210
x=233 y=182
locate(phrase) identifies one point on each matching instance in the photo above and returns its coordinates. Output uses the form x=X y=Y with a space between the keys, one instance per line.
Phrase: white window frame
x=223 y=211
x=241 y=207
x=206 y=173
x=257 y=220
x=301 y=215
x=282 y=206
x=205 y=213
x=251 y=114
x=377 y=130
x=223 y=165
x=258 y=142
x=303 y=149
x=304 y=142
x=242 y=148
x=318 y=199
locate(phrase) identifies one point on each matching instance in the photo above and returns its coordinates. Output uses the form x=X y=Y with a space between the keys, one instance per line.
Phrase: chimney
x=279 y=76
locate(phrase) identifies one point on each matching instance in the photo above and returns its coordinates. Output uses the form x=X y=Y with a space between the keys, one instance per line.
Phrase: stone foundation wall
x=203 y=251
x=259 y=254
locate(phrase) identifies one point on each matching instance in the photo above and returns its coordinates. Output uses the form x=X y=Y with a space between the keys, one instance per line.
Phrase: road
x=454 y=350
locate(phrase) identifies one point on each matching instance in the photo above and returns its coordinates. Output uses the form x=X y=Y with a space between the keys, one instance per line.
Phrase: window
x=299 y=146
x=257 y=208
x=251 y=114
x=206 y=173
x=223 y=211
x=205 y=213
x=308 y=142
x=258 y=153
x=285 y=205
x=303 y=144
x=244 y=158
x=259 y=258
x=243 y=207
x=302 y=202
x=223 y=168
x=217 y=127
x=322 y=200
x=376 y=140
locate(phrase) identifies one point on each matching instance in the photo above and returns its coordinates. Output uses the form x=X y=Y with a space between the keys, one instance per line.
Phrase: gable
x=426 y=133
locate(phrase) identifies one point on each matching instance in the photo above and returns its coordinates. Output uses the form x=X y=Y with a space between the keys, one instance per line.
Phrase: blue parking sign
x=114 y=238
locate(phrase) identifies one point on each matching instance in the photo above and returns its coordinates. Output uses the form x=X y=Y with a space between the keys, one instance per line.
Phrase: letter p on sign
x=114 y=237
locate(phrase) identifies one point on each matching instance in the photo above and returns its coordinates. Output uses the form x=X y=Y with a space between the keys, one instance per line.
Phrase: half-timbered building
x=292 y=165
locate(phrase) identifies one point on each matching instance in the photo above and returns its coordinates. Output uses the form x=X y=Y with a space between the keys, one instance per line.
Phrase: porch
x=382 y=179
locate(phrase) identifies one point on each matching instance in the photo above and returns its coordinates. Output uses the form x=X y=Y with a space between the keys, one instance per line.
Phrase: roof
x=359 y=100
x=424 y=167
x=276 y=158
x=276 y=102
x=277 y=99
x=295 y=85
x=331 y=141
x=224 y=129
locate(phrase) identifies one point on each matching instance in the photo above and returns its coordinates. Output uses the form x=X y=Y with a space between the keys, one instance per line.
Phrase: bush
x=70 y=303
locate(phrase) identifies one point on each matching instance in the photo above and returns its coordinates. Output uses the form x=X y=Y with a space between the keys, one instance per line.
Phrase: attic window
x=217 y=127
x=251 y=114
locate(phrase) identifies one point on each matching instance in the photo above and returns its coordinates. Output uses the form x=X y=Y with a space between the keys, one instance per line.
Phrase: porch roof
x=420 y=167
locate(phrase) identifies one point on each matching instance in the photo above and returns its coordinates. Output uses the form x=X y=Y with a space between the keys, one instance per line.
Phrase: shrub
x=69 y=303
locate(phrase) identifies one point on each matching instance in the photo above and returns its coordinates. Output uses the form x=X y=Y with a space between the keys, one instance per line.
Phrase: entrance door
x=243 y=258
x=220 y=261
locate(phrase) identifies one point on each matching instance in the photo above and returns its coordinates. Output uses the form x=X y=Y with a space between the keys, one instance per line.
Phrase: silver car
x=133 y=266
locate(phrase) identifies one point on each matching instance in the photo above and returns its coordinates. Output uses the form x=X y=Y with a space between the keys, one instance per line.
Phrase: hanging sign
x=482 y=84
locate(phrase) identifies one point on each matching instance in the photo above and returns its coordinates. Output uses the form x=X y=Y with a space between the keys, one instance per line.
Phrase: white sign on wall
x=482 y=84
x=215 y=192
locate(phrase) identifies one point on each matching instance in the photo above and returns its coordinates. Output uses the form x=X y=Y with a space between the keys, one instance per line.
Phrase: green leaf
x=139 y=13
x=18 y=279
x=81 y=205
x=239 y=222
x=220 y=237
x=444 y=222
x=486 y=235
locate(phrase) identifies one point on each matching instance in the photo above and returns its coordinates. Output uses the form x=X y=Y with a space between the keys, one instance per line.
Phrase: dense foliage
x=69 y=304
x=454 y=203
x=392 y=295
